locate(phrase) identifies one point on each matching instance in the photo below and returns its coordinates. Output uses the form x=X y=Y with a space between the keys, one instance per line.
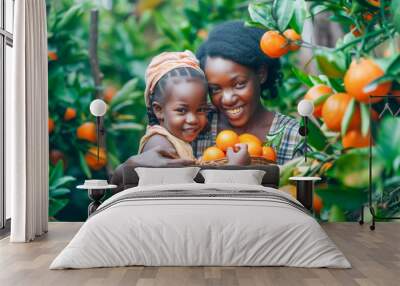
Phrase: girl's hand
x=239 y=155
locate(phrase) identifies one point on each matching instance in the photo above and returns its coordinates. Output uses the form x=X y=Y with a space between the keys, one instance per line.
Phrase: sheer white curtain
x=26 y=124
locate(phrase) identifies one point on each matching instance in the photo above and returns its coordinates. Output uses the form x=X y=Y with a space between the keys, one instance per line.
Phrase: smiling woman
x=239 y=75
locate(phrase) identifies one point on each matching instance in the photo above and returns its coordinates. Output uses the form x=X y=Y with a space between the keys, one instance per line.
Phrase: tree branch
x=94 y=61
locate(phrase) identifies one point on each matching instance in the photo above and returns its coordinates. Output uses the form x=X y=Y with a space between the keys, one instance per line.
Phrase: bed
x=201 y=224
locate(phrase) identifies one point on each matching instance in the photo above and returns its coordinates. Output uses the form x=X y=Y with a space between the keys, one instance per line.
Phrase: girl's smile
x=184 y=112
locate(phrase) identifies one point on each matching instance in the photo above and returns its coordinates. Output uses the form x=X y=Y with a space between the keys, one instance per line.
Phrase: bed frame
x=271 y=178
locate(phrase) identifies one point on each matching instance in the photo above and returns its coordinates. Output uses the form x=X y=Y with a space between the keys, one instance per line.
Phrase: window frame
x=6 y=39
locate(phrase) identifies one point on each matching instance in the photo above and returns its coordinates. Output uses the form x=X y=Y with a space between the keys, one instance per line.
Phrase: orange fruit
x=213 y=153
x=109 y=93
x=253 y=144
x=70 y=113
x=367 y=16
x=254 y=149
x=333 y=111
x=55 y=156
x=226 y=139
x=359 y=75
x=269 y=153
x=374 y=115
x=87 y=131
x=356 y=32
x=325 y=167
x=376 y=3
x=316 y=92
x=52 y=55
x=354 y=139
x=247 y=137
x=317 y=203
x=293 y=37
x=91 y=158
x=51 y=125
x=273 y=44
x=202 y=34
x=397 y=93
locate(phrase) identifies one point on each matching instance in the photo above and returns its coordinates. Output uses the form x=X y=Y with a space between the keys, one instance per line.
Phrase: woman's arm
x=155 y=154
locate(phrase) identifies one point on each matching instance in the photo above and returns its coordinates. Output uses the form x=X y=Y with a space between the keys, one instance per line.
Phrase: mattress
x=201 y=225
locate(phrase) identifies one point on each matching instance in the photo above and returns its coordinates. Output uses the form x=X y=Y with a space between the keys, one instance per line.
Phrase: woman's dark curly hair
x=158 y=95
x=234 y=41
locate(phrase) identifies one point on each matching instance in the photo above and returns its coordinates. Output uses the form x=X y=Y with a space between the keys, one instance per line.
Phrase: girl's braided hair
x=182 y=73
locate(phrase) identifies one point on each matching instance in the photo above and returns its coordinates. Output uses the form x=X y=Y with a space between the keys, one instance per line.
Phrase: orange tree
x=72 y=131
x=349 y=73
x=130 y=33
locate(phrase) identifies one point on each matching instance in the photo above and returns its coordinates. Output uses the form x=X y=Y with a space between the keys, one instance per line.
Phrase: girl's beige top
x=183 y=148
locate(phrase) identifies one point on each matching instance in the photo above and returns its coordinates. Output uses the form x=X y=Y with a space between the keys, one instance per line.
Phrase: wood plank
x=375 y=257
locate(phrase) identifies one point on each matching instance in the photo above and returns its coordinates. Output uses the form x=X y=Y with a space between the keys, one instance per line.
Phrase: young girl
x=176 y=100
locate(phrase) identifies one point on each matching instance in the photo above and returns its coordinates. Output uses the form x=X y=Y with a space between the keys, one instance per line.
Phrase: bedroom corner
x=152 y=142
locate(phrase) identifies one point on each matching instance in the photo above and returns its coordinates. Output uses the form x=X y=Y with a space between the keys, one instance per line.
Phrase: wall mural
x=250 y=119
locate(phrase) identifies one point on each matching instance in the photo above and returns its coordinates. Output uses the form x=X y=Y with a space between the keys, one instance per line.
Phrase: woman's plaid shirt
x=284 y=129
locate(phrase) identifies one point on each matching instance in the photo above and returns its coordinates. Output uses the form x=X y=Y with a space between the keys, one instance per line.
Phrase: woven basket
x=224 y=161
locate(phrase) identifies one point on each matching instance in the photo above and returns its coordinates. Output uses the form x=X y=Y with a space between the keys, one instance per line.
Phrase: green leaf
x=336 y=214
x=390 y=64
x=352 y=169
x=55 y=205
x=348 y=115
x=274 y=139
x=330 y=63
x=126 y=92
x=321 y=99
x=302 y=76
x=127 y=126
x=343 y=197
x=316 y=8
x=62 y=181
x=56 y=172
x=388 y=140
x=84 y=165
x=262 y=14
x=113 y=160
x=300 y=14
x=252 y=24
x=316 y=80
x=286 y=170
x=71 y=15
x=374 y=84
x=395 y=11
x=336 y=84
x=283 y=11
x=365 y=119
x=59 y=192
x=316 y=137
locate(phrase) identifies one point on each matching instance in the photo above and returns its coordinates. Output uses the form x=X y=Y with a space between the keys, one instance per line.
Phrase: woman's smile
x=234 y=112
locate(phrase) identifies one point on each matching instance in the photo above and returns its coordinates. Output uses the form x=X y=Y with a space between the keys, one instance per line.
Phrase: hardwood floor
x=375 y=257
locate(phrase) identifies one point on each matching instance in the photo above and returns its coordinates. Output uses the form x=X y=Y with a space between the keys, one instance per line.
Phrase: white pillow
x=164 y=176
x=248 y=177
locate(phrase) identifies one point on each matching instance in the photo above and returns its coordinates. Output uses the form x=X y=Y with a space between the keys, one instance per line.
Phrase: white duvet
x=206 y=230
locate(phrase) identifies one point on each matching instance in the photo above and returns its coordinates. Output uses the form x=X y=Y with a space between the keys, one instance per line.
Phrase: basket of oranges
x=260 y=153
